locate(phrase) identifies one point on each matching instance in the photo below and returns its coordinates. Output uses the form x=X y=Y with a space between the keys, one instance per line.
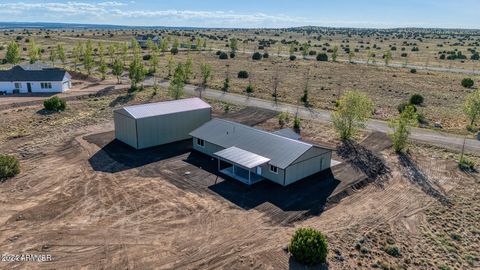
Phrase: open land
x=91 y=202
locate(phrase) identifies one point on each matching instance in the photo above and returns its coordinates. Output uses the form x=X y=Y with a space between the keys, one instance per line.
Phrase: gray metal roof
x=280 y=150
x=33 y=72
x=163 y=108
x=288 y=133
x=241 y=157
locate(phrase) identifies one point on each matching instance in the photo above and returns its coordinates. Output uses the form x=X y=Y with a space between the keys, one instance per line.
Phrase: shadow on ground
x=115 y=156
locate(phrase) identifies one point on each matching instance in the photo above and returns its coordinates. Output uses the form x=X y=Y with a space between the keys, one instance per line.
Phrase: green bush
x=467 y=83
x=416 y=99
x=174 y=51
x=242 y=74
x=393 y=251
x=9 y=167
x=249 y=89
x=402 y=106
x=292 y=57
x=223 y=56
x=265 y=55
x=257 y=56
x=466 y=164
x=413 y=70
x=55 y=104
x=296 y=122
x=308 y=246
x=232 y=55
x=147 y=57
x=322 y=57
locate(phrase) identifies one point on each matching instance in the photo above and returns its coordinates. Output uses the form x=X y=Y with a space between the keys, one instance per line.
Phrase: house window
x=18 y=85
x=46 y=85
x=273 y=169
x=200 y=142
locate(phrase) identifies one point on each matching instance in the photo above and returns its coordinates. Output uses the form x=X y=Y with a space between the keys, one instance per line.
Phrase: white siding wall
x=307 y=167
x=125 y=129
x=57 y=87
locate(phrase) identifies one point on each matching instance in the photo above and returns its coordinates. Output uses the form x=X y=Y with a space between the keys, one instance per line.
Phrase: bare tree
x=276 y=82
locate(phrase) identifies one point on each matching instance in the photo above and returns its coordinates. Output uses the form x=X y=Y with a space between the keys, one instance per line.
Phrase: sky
x=250 y=13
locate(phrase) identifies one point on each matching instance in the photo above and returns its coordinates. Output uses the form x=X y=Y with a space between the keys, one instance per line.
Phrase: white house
x=34 y=78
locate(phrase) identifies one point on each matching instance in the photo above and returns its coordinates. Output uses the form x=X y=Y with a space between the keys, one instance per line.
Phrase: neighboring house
x=250 y=155
x=152 y=124
x=34 y=78
x=142 y=40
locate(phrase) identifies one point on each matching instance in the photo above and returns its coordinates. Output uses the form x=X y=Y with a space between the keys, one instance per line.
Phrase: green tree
x=175 y=88
x=233 y=45
x=350 y=56
x=164 y=46
x=387 y=57
x=401 y=128
x=52 y=57
x=187 y=69
x=206 y=71
x=198 y=43
x=471 y=107
x=112 y=50
x=13 y=53
x=61 y=54
x=77 y=54
x=170 y=65
x=353 y=111
x=305 y=49
x=102 y=67
x=88 y=57
x=101 y=49
x=308 y=246
x=334 y=54
x=124 y=48
x=117 y=69
x=34 y=51
x=136 y=71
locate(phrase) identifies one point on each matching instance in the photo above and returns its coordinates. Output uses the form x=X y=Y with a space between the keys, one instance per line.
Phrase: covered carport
x=245 y=165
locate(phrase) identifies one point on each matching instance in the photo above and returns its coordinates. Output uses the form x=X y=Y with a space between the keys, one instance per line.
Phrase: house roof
x=280 y=150
x=288 y=133
x=163 y=108
x=241 y=157
x=32 y=72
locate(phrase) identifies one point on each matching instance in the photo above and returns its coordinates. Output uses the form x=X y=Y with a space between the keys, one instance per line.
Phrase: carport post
x=218 y=164
x=249 y=172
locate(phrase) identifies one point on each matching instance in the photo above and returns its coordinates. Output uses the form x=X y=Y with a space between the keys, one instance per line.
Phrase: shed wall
x=125 y=129
x=163 y=129
x=307 y=167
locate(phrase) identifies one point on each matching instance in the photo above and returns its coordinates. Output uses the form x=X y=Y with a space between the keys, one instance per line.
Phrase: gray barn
x=147 y=125
x=252 y=155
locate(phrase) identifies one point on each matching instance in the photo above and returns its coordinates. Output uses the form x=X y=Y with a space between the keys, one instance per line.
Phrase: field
x=93 y=203
x=325 y=81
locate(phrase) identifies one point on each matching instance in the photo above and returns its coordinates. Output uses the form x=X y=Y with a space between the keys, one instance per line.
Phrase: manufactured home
x=34 y=78
x=153 y=124
x=250 y=155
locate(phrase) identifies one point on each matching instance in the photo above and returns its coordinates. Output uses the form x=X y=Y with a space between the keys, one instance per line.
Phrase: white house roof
x=241 y=157
x=163 y=108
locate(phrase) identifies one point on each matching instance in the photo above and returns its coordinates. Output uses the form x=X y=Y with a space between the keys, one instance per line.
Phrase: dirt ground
x=96 y=204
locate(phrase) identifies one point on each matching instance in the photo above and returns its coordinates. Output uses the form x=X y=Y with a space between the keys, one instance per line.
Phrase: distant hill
x=46 y=25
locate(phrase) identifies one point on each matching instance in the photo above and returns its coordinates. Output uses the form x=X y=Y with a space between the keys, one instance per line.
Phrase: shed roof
x=241 y=157
x=33 y=72
x=288 y=133
x=280 y=150
x=163 y=108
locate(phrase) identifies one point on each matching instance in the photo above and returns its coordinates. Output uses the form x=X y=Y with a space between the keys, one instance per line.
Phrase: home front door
x=29 y=87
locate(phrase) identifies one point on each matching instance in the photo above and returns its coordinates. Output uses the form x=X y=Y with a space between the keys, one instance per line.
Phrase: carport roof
x=163 y=108
x=241 y=157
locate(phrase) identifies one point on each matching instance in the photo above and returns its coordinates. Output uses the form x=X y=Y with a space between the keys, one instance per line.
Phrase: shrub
x=223 y=56
x=467 y=83
x=413 y=70
x=147 y=57
x=218 y=52
x=232 y=55
x=257 y=56
x=249 y=89
x=322 y=57
x=9 y=167
x=292 y=57
x=174 y=50
x=416 y=99
x=312 y=53
x=403 y=105
x=265 y=55
x=393 y=251
x=283 y=118
x=296 y=122
x=466 y=164
x=404 y=55
x=55 y=104
x=308 y=246
x=242 y=74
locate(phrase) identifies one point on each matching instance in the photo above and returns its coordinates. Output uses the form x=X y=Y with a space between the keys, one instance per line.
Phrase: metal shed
x=152 y=124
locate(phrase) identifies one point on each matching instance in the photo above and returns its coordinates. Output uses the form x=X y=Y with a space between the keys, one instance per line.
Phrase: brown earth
x=92 y=203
